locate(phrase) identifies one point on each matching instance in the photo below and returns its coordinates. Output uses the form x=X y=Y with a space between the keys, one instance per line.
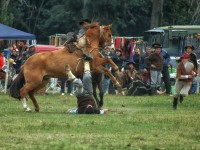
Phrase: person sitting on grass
x=84 y=92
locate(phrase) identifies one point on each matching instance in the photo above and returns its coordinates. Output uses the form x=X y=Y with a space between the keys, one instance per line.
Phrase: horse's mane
x=92 y=25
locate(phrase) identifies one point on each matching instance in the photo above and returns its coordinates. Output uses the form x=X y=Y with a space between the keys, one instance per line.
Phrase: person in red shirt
x=1 y=59
x=2 y=73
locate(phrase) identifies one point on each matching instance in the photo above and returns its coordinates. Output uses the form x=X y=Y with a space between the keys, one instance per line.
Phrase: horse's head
x=105 y=35
x=98 y=35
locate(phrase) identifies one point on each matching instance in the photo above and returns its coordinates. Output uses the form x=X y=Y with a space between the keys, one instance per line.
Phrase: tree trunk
x=157 y=13
x=4 y=17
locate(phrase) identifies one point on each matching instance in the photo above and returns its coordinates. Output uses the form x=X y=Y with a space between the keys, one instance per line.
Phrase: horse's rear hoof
x=36 y=110
x=27 y=109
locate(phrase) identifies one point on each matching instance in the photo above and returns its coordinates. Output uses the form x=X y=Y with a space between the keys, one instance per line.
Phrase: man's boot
x=181 y=99
x=86 y=55
x=86 y=66
x=71 y=77
x=175 y=103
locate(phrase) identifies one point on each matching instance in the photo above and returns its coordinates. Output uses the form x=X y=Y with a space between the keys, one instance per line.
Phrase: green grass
x=133 y=123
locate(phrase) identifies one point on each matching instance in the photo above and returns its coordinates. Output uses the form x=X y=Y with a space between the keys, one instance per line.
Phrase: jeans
x=166 y=79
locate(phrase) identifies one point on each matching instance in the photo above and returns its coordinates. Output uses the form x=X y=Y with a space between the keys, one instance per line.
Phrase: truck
x=174 y=38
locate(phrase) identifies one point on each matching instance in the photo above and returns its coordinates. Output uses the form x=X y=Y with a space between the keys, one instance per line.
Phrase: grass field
x=145 y=122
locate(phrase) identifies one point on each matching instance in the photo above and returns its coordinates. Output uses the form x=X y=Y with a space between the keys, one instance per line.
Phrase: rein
x=93 y=49
x=79 y=60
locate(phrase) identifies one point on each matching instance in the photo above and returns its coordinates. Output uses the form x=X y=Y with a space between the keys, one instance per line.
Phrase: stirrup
x=87 y=56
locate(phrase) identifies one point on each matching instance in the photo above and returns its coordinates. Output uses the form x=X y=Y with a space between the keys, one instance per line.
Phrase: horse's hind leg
x=24 y=104
x=39 y=87
x=28 y=87
x=35 y=103
x=101 y=93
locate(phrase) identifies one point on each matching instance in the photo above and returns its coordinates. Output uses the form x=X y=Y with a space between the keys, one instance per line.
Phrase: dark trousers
x=62 y=85
x=166 y=79
x=69 y=87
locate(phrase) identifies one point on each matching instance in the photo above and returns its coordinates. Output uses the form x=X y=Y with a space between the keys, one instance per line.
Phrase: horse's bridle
x=102 y=35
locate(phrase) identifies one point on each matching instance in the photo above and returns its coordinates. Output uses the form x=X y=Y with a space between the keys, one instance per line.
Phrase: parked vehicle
x=175 y=38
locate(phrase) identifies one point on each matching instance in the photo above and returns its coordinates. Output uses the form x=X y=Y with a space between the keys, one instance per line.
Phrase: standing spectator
x=155 y=62
x=2 y=63
x=118 y=59
x=143 y=66
x=185 y=72
x=8 y=51
x=106 y=80
x=193 y=58
x=136 y=58
x=62 y=85
x=15 y=56
x=165 y=71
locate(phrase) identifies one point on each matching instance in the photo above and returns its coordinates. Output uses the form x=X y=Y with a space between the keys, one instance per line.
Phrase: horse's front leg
x=114 y=66
x=104 y=70
x=94 y=85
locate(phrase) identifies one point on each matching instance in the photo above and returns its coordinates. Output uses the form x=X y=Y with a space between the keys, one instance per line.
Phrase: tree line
x=128 y=17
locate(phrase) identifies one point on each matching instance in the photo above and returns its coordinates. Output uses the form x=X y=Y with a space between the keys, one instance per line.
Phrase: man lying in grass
x=84 y=92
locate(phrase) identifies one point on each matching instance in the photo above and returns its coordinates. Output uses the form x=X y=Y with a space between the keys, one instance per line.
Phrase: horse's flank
x=50 y=63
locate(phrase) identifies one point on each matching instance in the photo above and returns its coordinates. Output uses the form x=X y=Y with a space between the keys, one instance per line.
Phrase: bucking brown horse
x=40 y=67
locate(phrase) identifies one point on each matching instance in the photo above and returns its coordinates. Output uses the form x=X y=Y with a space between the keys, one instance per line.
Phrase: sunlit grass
x=133 y=123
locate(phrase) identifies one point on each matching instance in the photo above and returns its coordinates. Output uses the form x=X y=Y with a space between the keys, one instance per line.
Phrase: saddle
x=72 y=45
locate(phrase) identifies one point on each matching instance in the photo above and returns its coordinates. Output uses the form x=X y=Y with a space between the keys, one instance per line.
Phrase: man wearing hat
x=193 y=58
x=184 y=75
x=143 y=66
x=155 y=62
x=133 y=71
x=165 y=71
x=73 y=43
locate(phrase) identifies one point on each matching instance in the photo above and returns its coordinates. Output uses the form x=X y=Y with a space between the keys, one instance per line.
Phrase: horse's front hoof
x=27 y=109
x=100 y=104
x=37 y=110
x=117 y=85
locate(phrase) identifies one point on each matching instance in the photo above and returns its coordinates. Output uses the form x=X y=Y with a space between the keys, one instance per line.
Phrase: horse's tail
x=16 y=85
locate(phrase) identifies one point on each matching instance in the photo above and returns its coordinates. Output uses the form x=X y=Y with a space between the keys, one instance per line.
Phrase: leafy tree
x=128 y=17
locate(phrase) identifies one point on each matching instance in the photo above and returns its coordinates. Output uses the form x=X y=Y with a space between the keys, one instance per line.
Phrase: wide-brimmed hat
x=84 y=20
x=190 y=46
x=127 y=67
x=118 y=50
x=130 y=63
x=185 y=56
x=156 y=45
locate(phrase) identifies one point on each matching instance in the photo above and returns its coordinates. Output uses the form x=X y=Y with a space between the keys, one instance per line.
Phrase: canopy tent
x=8 y=33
